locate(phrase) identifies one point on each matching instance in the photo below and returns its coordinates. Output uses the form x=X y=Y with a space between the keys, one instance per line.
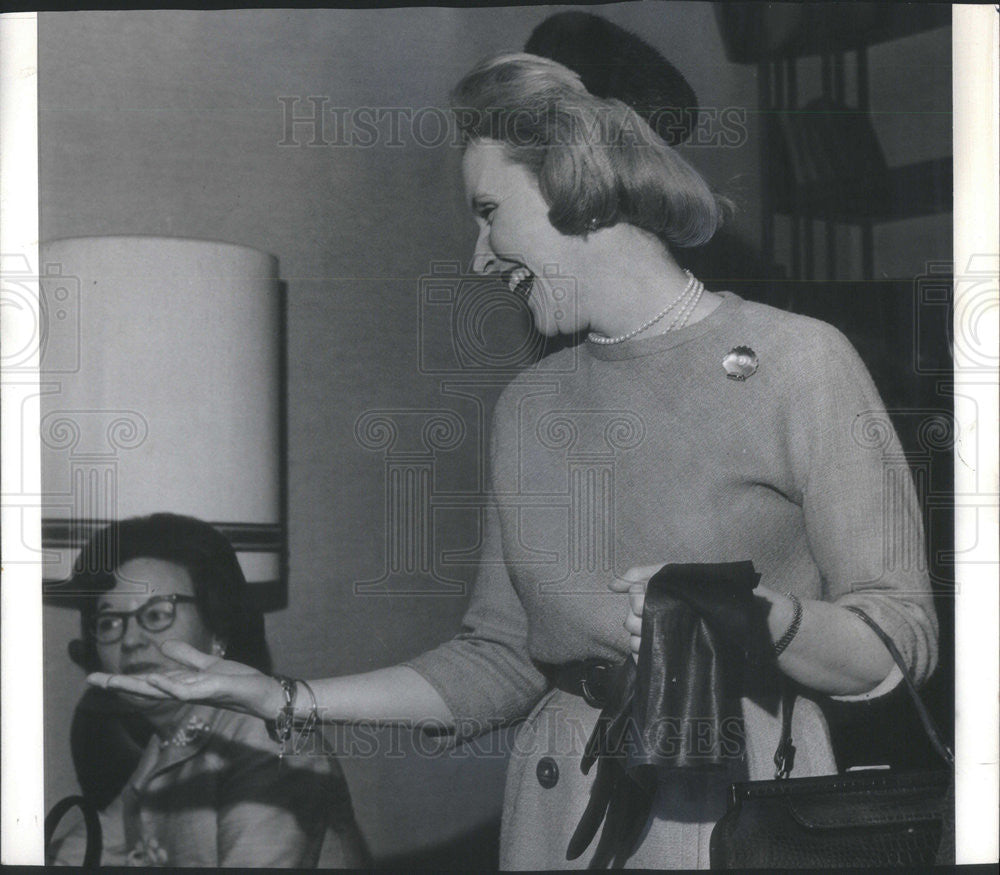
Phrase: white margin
x=20 y=593
x=976 y=37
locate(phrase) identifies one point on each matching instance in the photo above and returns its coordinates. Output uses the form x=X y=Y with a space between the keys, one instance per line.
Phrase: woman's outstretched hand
x=201 y=678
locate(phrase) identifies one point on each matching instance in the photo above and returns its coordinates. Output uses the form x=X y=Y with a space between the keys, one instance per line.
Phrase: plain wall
x=170 y=123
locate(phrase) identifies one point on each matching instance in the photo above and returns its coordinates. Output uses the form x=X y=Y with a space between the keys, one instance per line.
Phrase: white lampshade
x=160 y=392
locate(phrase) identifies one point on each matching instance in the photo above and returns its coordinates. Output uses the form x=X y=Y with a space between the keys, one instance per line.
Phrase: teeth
x=516 y=277
x=519 y=281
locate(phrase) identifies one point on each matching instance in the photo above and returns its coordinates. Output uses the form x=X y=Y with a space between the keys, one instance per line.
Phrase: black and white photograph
x=512 y=437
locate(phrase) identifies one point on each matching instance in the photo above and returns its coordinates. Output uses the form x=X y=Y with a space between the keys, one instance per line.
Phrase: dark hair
x=221 y=591
x=596 y=160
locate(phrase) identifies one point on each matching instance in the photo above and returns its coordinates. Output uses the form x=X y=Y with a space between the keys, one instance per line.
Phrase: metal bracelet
x=305 y=730
x=286 y=716
x=793 y=628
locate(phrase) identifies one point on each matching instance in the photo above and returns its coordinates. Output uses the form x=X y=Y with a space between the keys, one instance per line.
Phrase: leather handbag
x=871 y=817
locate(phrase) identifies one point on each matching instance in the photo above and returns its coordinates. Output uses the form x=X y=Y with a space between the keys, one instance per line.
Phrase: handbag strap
x=785 y=753
x=95 y=839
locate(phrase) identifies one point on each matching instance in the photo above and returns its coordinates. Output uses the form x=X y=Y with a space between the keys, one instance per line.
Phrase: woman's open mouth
x=520 y=281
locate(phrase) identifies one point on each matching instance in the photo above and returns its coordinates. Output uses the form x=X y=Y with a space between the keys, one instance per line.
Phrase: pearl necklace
x=681 y=319
x=688 y=299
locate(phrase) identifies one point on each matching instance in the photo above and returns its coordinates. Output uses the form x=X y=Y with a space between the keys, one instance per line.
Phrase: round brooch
x=740 y=362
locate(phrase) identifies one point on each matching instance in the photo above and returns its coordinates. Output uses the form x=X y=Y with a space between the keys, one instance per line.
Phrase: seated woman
x=210 y=788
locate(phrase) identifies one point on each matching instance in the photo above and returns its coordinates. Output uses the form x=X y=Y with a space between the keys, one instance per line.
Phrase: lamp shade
x=160 y=373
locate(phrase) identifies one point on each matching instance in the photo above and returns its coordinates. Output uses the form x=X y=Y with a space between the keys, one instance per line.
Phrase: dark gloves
x=722 y=595
x=679 y=708
x=617 y=798
x=701 y=624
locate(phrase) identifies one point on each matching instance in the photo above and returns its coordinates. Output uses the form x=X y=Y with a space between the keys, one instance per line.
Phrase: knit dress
x=604 y=457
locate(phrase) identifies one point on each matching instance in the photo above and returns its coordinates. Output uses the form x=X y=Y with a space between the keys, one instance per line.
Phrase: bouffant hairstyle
x=222 y=594
x=597 y=161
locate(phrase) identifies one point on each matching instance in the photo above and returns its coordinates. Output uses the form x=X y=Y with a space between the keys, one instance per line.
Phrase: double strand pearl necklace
x=688 y=299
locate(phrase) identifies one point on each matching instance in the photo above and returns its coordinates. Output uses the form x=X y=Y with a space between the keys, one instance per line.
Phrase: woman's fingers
x=219 y=682
x=637 y=598
x=636 y=574
x=185 y=654
x=136 y=684
x=182 y=685
x=198 y=661
x=633 y=582
x=247 y=691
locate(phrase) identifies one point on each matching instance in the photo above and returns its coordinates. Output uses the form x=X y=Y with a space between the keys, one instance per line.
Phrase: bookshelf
x=822 y=165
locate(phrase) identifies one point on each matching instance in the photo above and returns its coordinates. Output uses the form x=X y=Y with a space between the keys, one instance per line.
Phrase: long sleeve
x=863 y=520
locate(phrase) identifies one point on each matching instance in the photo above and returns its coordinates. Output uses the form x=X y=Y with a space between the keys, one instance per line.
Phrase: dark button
x=548 y=772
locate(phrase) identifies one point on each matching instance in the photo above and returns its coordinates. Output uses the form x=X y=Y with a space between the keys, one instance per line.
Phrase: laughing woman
x=755 y=435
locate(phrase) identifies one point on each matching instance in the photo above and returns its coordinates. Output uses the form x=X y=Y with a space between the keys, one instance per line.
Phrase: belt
x=588 y=678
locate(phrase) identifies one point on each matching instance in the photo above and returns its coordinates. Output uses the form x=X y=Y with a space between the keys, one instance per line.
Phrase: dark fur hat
x=612 y=62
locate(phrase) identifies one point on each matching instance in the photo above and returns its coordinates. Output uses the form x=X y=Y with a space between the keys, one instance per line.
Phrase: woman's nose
x=133 y=636
x=484 y=260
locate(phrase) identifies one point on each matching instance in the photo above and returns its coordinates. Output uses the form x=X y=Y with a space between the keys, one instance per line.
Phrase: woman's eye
x=157 y=615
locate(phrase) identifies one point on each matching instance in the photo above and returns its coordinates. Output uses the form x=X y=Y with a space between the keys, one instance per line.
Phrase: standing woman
x=752 y=434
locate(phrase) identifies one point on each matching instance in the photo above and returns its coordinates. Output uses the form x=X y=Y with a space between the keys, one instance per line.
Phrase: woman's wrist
x=296 y=714
x=273 y=698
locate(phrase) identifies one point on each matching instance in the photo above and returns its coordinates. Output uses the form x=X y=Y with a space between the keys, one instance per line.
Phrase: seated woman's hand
x=634 y=583
x=200 y=677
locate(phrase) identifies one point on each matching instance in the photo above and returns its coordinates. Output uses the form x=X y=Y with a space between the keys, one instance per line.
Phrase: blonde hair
x=597 y=161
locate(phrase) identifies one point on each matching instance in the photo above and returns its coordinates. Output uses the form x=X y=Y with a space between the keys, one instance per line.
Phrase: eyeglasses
x=156 y=615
